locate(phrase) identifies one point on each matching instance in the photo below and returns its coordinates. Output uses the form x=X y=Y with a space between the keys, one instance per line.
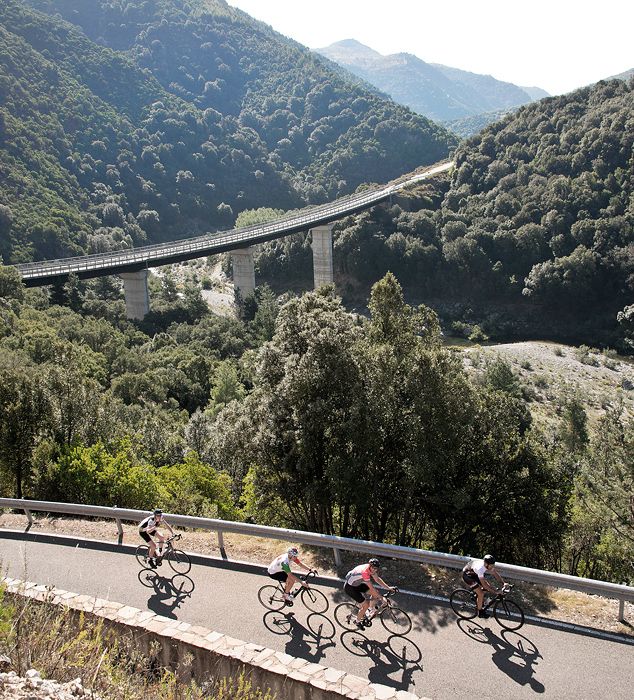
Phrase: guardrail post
x=337 y=557
x=119 y=529
x=622 y=608
x=221 y=544
x=27 y=512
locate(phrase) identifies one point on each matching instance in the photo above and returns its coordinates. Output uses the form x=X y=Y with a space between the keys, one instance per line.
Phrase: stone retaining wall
x=196 y=652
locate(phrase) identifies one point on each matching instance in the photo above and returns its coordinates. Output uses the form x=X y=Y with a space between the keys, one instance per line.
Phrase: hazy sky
x=558 y=45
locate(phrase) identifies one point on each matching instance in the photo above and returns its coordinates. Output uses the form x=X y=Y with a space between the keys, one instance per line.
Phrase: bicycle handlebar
x=309 y=574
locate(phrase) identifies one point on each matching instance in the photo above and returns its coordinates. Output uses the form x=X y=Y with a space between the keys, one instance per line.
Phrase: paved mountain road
x=457 y=658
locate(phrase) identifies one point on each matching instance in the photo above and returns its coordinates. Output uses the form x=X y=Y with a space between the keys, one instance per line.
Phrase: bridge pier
x=243 y=271
x=137 y=298
x=322 y=255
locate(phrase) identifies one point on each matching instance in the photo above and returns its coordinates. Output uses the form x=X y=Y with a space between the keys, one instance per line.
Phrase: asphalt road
x=457 y=658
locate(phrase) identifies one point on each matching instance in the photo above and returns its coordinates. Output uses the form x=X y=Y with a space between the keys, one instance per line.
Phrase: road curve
x=457 y=659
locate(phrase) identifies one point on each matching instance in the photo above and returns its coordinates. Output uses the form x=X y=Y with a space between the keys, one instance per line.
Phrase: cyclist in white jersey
x=474 y=575
x=280 y=570
x=359 y=582
x=148 y=527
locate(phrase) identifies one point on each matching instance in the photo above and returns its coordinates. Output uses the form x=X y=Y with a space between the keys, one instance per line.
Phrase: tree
x=11 y=285
x=609 y=474
x=226 y=386
x=23 y=408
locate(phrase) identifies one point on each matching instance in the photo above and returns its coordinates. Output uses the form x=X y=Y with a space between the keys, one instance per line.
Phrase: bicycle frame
x=167 y=546
x=303 y=583
x=500 y=595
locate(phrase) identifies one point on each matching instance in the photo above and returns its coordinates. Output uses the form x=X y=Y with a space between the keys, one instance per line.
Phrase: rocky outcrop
x=34 y=687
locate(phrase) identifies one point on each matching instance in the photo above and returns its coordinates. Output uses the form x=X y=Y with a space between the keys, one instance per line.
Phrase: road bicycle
x=395 y=620
x=507 y=613
x=176 y=558
x=272 y=597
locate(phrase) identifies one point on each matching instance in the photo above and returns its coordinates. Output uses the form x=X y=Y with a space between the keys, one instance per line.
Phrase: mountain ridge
x=439 y=92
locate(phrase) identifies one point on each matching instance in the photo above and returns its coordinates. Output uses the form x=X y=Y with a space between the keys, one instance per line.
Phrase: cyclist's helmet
x=489 y=559
x=292 y=551
x=158 y=511
x=374 y=562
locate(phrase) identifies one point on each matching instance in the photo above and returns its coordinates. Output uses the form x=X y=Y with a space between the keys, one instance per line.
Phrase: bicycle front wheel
x=141 y=555
x=395 y=620
x=179 y=561
x=346 y=615
x=463 y=603
x=508 y=614
x=314 y=600
x=271 y=597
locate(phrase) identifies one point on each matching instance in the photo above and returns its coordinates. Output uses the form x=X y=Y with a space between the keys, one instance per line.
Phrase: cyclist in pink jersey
x=359 y=581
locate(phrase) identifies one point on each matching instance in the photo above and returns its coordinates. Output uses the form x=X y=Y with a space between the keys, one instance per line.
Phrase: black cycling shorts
x=356 y=592
x=471 y=579
x=279 y=576
x=145 y=536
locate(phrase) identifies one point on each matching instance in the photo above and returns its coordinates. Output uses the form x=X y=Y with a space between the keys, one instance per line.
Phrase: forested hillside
x=129 y=121
x=534 y=236
x=375 y=428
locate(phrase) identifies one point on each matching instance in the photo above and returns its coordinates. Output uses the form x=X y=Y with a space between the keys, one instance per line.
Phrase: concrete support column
x=137 y=298
x=243 y=271
x=322 y=255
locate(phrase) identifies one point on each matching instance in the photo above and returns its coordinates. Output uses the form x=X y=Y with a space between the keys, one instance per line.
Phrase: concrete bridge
x=132 y=265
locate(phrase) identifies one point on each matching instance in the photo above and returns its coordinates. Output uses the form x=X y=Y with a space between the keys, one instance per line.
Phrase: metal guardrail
x=45 y=271
x=620 y=592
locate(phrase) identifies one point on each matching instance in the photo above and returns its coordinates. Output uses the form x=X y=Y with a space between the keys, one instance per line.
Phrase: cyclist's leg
x=291 y=580
x=150 y=543
x=356 y=593
x=282 y=578
x=471 y=581
x=161 y=546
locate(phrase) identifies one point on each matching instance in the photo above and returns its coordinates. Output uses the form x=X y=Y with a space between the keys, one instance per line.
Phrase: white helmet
x=292 y=551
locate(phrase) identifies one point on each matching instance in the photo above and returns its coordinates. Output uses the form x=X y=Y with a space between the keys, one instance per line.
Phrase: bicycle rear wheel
x=271 y=597
x=395 y=620
x=346 y=615
x=141 y=555
x=508 y=614
x=314 y=600
x=179 y=561
x=463 y=603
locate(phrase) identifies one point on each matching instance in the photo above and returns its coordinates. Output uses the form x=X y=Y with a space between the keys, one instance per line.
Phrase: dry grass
x=557 y=604
x=63 y=645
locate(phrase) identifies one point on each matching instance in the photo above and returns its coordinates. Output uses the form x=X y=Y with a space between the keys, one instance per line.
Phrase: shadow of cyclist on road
x=306 y=642
x=398 y=654
x=169 y=592
x=513 y=653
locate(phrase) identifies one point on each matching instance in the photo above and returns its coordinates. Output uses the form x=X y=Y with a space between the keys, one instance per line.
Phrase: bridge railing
x=621 y=592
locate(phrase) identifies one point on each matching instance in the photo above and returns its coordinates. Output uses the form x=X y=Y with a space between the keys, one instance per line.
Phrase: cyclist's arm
x=498 y=577
x=486 y=585
x=303 y=566
x=381 y=582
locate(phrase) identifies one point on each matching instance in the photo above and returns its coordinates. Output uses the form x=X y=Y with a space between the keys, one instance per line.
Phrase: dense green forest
x=126 y=122
x=533 y=236
x=303 y=415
